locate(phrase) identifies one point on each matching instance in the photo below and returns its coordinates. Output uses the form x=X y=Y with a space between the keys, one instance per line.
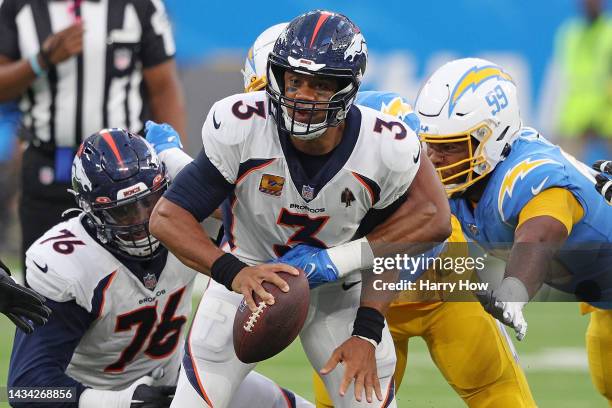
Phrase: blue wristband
x=38 y=71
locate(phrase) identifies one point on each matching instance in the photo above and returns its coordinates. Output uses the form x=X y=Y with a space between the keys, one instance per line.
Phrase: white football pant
x=212 y=375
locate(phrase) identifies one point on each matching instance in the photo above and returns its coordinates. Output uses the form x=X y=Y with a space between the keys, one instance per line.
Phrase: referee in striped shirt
x=78 y=66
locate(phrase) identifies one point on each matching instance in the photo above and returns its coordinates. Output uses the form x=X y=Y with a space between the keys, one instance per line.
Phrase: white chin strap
x=302 y=127
x=143 y=249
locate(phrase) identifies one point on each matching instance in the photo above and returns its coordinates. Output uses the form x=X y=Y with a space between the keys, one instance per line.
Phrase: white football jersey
x=275 y=205
x=135 y=329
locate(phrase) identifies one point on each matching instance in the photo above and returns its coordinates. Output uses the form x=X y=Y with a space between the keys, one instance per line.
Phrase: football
x=268 y=331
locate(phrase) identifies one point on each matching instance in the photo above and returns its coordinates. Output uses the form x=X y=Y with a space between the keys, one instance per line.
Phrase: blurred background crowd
x=559 y=53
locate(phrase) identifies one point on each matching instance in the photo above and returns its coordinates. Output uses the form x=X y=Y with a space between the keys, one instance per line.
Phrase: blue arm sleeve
x=40 y=359
x=199 y=188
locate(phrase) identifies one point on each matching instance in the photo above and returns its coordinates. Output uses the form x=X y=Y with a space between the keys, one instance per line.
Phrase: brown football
x=268 y=331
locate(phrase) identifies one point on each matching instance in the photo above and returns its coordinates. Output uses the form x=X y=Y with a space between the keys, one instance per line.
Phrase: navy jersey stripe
x=370 y=185
x=251 y=165
x=98 y=299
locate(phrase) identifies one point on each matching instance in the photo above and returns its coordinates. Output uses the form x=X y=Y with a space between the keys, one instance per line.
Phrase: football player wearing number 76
x=120 y=300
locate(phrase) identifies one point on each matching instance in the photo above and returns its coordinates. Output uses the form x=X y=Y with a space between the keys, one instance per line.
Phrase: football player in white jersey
x=494 y=377
x=119 y=299
x=301 y=164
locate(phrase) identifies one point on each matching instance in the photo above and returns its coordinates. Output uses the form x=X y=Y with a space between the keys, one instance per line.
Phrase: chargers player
x=285 y=158
x=487 y=376
x=520 y=198
x=120 y=299
x=484 y=373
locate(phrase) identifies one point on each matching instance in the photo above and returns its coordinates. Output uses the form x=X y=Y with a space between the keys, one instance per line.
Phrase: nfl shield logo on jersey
x=307 y=192
x=150 y=281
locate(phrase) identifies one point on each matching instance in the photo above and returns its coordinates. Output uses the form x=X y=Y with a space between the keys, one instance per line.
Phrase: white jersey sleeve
x=226 y=131
x=391 y=156
x=67 y=264
x=403 y=158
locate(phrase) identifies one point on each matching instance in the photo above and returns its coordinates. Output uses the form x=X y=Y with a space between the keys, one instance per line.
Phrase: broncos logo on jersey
x=516 y=173
x=472 y=79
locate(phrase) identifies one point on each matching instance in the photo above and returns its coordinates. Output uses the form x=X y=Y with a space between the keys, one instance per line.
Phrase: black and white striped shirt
x=102 y=87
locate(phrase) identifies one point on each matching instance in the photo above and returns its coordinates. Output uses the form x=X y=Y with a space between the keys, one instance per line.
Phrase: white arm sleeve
x=92 y=398
x=174 y=159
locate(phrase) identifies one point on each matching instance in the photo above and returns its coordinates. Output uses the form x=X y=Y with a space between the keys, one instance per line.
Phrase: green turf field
x=552 y=355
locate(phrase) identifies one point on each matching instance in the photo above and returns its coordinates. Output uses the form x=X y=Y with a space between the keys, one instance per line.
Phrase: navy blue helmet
x=117 y=179
x=318 y=43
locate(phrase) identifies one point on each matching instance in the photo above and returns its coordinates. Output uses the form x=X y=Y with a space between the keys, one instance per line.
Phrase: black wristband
x=369 y=323
x=45 y=60
x=225 y=269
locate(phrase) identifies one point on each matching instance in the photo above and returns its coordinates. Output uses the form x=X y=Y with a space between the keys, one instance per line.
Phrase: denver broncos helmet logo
x=79 y=176
x=518 y=172
x=472 y=79
x=356 y=47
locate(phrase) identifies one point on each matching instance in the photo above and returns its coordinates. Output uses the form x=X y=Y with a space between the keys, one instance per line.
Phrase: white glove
x=147 y=395
x=91 y=398
x=506 y=304
x=512 y=315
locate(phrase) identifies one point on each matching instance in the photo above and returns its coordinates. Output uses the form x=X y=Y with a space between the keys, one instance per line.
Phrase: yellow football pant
x=599 y=349
x=468 y=347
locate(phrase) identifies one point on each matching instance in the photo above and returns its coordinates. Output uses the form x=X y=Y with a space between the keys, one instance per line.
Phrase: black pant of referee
x=43 y=199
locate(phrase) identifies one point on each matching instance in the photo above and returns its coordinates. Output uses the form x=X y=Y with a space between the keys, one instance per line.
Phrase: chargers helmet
x=475 y=101
x=254 y=71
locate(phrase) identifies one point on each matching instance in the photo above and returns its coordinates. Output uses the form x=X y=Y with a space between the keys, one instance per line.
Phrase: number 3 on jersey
x=306 y=226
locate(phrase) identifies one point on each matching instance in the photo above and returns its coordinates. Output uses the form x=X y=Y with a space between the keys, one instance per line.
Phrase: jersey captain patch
x=271 y=184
